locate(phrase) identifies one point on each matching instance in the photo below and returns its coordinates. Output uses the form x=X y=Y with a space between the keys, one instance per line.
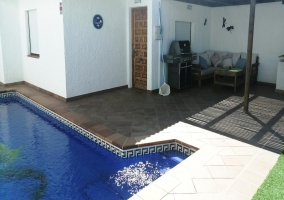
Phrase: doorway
x=139 y=48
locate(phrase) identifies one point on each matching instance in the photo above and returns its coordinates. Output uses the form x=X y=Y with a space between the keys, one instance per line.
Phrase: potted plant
x=281 y=58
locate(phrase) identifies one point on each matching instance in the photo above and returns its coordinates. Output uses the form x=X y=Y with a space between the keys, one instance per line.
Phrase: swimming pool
x=43 y=158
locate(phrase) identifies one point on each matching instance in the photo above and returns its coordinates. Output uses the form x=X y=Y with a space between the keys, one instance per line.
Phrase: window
x=33 y=45
x=182 y=30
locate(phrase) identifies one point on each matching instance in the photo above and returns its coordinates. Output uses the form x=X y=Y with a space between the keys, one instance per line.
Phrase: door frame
x=130 y=52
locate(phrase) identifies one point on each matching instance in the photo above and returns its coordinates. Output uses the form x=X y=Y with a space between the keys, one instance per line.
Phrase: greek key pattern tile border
x=121 y=153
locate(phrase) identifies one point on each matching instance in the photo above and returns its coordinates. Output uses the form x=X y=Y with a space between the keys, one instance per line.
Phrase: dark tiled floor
x=126 y=116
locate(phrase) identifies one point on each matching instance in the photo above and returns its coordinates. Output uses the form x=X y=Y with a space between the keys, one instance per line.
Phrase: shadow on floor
x=131 y=115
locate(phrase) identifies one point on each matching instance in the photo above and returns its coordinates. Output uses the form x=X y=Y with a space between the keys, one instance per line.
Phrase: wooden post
x=249 y=54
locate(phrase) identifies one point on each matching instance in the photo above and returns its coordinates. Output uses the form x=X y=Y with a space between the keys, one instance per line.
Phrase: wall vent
x=137 y=1
x=189 y=7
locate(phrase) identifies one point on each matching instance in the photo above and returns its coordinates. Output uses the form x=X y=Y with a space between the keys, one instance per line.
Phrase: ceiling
x=220 y=3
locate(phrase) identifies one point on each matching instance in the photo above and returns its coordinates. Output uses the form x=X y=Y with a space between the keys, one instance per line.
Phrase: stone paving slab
x=226 y=169
x=236 y=150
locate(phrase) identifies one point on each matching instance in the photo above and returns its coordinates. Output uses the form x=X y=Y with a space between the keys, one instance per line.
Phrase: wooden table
x=229 y=77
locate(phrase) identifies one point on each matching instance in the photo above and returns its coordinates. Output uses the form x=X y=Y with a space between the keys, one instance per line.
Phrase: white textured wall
x=173 y=11
x=11 y=42
x=177 y=11
x=268 y=34
x=47 y=72
x=95 y=59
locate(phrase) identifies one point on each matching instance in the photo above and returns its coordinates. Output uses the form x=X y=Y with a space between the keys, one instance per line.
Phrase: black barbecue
x=179 y=64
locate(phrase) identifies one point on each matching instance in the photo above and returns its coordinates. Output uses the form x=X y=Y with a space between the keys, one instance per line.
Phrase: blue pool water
x=41 y=158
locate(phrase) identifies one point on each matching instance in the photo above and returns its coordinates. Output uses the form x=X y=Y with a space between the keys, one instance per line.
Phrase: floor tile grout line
x=260 y=149
x=235 y=191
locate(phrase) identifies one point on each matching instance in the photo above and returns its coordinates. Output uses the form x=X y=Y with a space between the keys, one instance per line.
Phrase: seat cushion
x=228 y=62
x=235 y=58
x=202 y=62
x=216 y=60
x=206 y=57
x=229 y=55
x=221 y=54
x=209 y=70
x=210 y=53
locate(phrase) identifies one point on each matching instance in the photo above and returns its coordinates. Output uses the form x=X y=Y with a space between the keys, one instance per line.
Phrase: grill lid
x=180 y=48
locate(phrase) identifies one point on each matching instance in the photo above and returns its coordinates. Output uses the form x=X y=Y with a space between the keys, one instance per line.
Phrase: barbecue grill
x=179 y=64
x=179 y=52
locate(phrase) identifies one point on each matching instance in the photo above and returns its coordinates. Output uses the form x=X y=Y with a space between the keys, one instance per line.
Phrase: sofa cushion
x=209 y=70
x=253 y=58
x=210 y=53
x=206 y=57
x=228 y=62
x=241 y=63
x=216 y=60
x=227 y=56
x=202 y=62
x=235 y=58
x=196 y=61
x=221 y=54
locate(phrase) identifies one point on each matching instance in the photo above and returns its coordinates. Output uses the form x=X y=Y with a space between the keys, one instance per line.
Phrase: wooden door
x=139 y=48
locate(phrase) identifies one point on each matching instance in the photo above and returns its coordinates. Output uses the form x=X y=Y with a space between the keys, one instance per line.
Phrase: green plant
x=7 y=158
x=272 y=187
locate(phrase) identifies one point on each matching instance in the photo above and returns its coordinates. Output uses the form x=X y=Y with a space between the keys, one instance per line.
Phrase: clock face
x=98 y=21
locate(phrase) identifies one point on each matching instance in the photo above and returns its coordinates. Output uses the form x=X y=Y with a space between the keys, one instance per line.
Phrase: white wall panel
x=95 y=58
x=268 y=39
x=11 y=42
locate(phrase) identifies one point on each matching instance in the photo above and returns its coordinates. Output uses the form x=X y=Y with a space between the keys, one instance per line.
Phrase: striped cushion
x=241 y=63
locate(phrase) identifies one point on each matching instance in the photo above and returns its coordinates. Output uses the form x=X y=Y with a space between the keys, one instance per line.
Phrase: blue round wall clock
x=98 y=21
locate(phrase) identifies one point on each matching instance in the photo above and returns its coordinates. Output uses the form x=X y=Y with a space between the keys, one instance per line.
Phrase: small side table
x=229 y=77
x=280 y=79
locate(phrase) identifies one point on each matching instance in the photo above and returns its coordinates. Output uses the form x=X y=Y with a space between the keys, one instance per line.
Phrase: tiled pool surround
x=223 y=167
x=145 y=149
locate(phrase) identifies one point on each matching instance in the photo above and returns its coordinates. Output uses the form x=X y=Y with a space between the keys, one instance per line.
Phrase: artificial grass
x=273 y=186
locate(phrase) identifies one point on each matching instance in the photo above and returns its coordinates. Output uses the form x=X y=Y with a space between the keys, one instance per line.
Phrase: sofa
x=204 y=66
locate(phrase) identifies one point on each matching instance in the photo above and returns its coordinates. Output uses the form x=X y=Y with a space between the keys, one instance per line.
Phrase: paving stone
x=205 y=186
x=244 y=187
x=202 y=116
